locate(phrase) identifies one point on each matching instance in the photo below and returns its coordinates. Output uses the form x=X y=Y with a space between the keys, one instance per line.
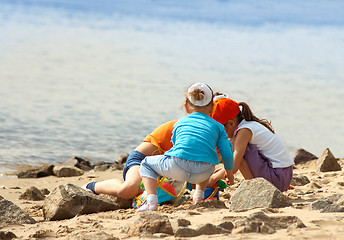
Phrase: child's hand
x=229 y=177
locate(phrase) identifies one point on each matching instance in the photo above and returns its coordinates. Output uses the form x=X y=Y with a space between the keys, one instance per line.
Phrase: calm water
x=92 y=78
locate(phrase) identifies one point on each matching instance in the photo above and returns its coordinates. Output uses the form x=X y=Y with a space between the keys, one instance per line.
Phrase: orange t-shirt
x=161 y=136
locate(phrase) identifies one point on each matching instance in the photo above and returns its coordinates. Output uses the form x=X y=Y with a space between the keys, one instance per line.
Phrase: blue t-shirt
x=195 y=138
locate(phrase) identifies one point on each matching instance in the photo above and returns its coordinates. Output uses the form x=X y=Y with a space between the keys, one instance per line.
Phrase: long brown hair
x=247 y=114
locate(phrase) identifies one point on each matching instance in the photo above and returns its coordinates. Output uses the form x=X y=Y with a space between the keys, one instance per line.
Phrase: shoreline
x=327 y=225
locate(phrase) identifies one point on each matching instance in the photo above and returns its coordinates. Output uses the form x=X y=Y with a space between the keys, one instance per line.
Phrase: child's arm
x=217 y=175
x=241 y=140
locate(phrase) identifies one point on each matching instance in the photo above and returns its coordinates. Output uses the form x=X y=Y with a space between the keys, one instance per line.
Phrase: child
x=155 y=143
x=193 y=156
x=259 y=152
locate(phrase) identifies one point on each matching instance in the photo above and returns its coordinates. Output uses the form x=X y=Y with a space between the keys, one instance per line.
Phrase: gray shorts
x=176 y=168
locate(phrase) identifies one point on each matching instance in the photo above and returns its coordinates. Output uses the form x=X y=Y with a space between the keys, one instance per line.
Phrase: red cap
x=225 y=109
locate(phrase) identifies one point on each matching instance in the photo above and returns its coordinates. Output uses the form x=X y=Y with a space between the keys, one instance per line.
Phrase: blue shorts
x=134 y=159
x=177 y=168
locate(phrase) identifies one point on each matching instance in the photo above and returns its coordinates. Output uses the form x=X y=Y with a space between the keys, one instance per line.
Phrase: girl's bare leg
x=116 y=187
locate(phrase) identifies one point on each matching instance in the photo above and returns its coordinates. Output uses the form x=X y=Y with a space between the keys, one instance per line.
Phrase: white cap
x=208 y=94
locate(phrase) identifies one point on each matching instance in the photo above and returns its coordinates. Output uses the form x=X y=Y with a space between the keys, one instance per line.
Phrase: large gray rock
x=327 y=162
x=256 y=193
x=301 y=155
x=11 y=213
x=67 y=201
x=67 y=171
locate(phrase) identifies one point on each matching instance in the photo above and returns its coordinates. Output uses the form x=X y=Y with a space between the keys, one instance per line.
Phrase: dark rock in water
x=78 y=162
x=327 y=162
x=150 y=223
x=11 y=213
x=37 y=172
x=299 y=180
x=7 y=235
x=67 y=171
x=33 y=194
x=256 y=193
x=67 y=201
x=301 y=155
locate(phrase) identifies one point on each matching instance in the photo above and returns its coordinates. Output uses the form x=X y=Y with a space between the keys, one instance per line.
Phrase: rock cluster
x=74 y=166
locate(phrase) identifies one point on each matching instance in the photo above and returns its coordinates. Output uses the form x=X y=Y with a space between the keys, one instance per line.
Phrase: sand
x=318 y=225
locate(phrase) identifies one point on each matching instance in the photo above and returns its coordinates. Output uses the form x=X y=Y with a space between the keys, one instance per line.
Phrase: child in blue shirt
x=193 y=156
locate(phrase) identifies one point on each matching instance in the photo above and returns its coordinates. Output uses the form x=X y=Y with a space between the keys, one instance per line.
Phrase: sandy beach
x=318 y=225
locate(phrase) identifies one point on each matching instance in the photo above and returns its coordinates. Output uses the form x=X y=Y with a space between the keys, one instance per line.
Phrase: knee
x=128 y=191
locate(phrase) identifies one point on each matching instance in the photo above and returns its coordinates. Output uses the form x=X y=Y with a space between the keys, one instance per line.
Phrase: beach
x=117 y=224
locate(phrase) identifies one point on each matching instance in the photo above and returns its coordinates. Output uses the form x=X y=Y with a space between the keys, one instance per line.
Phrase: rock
x=333 y=203
x=33 y=194
x=38 y=172
x=211 y=229
x=150 y=223
x=259 y=222
x=7 y=235
x=122 y=159
x=185 y=232
x=101 y=235
x=102 y=166
x=299 y=180
x=326 y=206
x=254 y=227
x=256 y=193
x=11 y=213
x=227 y=225
x=67 y=171
x=44 y=233
x=183 y=222
x=45 y=191
x=204 y=229
x=327 y=162
x=301 y=155
x=78 y=162
x=67 y=201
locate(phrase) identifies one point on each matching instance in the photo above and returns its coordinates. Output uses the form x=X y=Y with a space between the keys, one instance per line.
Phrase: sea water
x=93 y=78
